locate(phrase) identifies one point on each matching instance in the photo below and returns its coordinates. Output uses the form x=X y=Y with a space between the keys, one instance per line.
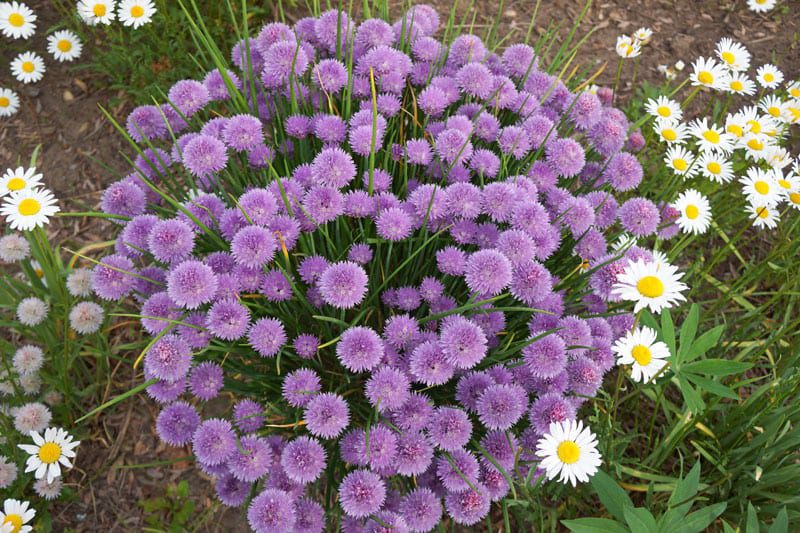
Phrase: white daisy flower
x=48 y=452
x=707 y=72
x=760 y=6
x=659 y=257
x=640 y=349
x=95 y=12
x=777 y=157
x=651 y=285
x=664 y=108
x=31 y=311
x=772 y=105
x=135 y=12
x=733 y=55
x=695 y=212
x=569 y=451
x=760 y=187
x=28 y=67
x=736 y=125
x=793 y=89
x=17 y=20
x=715 y=166
x=671 y=131
x=28 y=209
x=791 y=111
x=756 y=145
x=9 y=102
x=17 y=513
x=794 y=199
x=711 y=136
x=741 y=84
x=787 y=184
x=681 y=161
x=19 y=179
x=763 y=216
x=64 y=45
x=643 y=36
x=769 y=76
x=627 y=48
x=623 y=242
x=14 y=248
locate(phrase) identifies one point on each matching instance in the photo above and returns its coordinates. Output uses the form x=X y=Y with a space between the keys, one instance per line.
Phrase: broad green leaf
x=594 y=525
x=717 y=367
x=693 y=400
x=752 y=520
x=613 y=497
x=714 y=387
x=668 y=330
x=686 y=487
x=689 y=330
x=781 y=523
x=640 y=519
x=705 y=341
x=699 y=520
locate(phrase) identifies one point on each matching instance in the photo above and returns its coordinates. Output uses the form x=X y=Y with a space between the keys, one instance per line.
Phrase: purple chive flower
x=306 y=345
x=429 y=365
x=275 y=287
x=387 y=389
x=330 y=129
x=451 y=260
x=516 y=245
x=243 y=132
x=400 y=330
x=330 y=75
x=514 y=141
x=123 y=198
x=463 y=342
x=414 y=453
x=204 y=155
x=463 y=200
x=475 y=79
x=333 y=167
x=189 y=96
x=191 y=284
x=266 y=336
x=449 y=428
x=272 y=510
x=519 y=59
x=421 y=509
x=469 y=507
x=382 y=446
x=605 y=206
x=176 y=423
x=500 y=406
x=546 y=357
x=488 y=272
x=168 y=359
x=485 y=163
x=303 y=460
x=327 y=415
x=609 y=133
x=283 y=60
x=300 y=386
x=530 y=282
x=453 y=146
x=206 y=380
x=165 y=391
x=414 y=414
x=549 y=408
x=623 y=172
x=586 y=110
x=501 y=447
x=322 y=204
x=260 y=206
x=343 y=285
x=310 y=516
x=639 y=216
x=298 y=126
x=585 y=377
x=214 y=442
x=112 y=279
x=418 y=152
x=251 y=460
x=171 y=241
x=253 y=246
x=394 y=224
x=359 y=349
x=231 y=491
x=566 y=157
x=217 y=87
x=228 y=320
x=248 y=416
x=132 y=240
x=146 y=122
x=458 y=470
x=361 y=493
x=360 y=253
x=470 y=388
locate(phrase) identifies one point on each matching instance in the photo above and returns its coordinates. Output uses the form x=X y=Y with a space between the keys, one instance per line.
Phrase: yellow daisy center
x=785 y=184
x=736 y=130
x=705 y=77
x=755 y=144
x=761 y=187
x=137 y=11
x=39 y=272
x=680 y=164
x=795 y=92
x=763 y=212
x=15 y=520
x=49 y=453
x=16 y=20
x=16 y=184
x=568 y=452
x=650 y=287
x=28 y=66
x=728 y=57
x=769 y=77
x=669 y=134
x=775 y=111
x=5 y=101
x=29 y=207
x=714 y=167
x=795 y=197
x=755 y=126
x=65 y=45
x=641 y=354
x=761 y=2
x=664 y=111
x=99 y=10
x=692 y=212
x=736 y=85
x=711 y=136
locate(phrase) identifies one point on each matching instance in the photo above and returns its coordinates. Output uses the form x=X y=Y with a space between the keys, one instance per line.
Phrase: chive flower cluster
x=387 y=257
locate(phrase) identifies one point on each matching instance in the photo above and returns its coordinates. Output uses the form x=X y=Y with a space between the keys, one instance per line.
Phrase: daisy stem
x=616 y=79
x=691 y=96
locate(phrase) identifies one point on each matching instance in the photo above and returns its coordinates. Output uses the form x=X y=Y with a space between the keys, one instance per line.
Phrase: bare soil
x=61 y=114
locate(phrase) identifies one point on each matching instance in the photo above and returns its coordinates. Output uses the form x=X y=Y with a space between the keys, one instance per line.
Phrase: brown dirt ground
x=61 y=113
